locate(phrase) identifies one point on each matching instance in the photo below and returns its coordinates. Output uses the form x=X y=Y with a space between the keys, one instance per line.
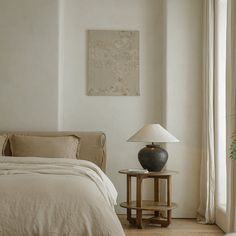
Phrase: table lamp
x=153 y=157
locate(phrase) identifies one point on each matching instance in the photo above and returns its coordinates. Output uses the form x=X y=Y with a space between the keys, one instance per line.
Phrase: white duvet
x=55 y=197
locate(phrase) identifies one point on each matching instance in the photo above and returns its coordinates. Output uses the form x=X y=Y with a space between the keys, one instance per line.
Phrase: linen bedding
x=56 y=197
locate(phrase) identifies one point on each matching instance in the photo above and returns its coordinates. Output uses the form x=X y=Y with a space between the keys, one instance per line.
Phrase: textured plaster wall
x=28 y=64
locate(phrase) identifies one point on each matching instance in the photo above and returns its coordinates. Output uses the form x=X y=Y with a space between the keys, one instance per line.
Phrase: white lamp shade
x=153 y=133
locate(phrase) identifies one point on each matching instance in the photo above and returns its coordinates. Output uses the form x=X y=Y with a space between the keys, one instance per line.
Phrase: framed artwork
x=113 y=63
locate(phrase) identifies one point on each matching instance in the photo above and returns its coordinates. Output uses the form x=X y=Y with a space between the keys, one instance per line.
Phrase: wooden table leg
x=129 y=198
x=139 y=202
x=157 y=193
x=169 y=197
x=169 y=213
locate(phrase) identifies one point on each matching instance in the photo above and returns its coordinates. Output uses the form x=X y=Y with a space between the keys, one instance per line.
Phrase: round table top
x=150 y=174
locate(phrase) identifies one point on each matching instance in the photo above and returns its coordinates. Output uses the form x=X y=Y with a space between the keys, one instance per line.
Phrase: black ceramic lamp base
x=153 y=157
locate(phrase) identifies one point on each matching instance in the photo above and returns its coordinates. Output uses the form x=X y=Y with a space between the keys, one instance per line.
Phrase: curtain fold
x=206 y=211
x=231 y=113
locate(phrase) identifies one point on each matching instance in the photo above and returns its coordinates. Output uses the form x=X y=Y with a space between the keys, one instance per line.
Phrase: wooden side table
x=156 y=206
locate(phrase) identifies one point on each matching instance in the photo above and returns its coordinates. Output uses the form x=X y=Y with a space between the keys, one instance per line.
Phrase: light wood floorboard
x=178 y=227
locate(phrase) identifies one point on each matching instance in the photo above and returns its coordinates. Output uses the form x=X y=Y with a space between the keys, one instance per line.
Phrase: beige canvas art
x=113 y=63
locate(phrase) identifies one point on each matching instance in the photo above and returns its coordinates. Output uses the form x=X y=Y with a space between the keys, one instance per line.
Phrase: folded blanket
x=55 y=196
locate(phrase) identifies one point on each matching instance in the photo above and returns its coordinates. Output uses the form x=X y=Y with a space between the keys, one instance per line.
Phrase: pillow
x=41 y=146
x=3 y=142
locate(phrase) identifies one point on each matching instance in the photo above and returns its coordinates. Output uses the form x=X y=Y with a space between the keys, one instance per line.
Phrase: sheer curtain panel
x=206 y=211
x=231 y=113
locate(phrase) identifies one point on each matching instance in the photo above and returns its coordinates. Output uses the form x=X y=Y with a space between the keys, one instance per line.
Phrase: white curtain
x=231 y=113
x=206 y=211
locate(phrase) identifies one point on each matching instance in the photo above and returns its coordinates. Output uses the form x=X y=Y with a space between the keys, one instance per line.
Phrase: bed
x=41 y=196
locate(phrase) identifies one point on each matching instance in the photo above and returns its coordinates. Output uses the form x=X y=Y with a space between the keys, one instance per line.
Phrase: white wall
x=183 y=110
x=28 y=64
x=118 y=117
x=29 y=57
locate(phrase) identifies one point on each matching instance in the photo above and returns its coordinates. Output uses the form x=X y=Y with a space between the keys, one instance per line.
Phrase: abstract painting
x=113 y=63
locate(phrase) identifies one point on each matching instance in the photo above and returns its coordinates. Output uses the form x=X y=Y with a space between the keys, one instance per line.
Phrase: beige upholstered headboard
x=92 y=145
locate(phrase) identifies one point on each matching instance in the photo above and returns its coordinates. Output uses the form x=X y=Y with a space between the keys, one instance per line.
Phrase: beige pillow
x=3 y=142
x=40 y=146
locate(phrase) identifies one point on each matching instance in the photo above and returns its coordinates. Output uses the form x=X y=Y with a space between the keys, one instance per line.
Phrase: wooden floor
x=179 y=227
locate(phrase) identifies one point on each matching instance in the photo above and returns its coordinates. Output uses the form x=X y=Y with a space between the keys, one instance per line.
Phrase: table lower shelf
x=158 y=221
x=148 y=205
